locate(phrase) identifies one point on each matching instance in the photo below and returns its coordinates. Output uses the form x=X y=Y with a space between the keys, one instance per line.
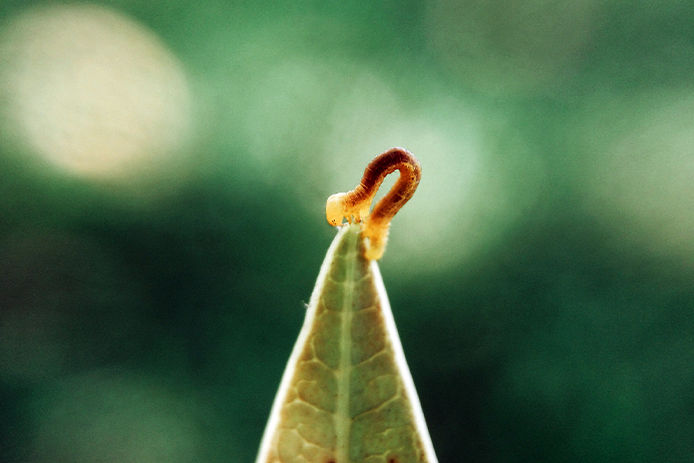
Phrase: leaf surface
x=347 y=395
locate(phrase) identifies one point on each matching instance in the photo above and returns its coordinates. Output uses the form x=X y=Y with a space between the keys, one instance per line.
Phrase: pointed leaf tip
x=347 y=394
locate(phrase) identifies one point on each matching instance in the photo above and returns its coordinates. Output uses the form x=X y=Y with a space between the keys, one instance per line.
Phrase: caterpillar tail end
x=378 y=239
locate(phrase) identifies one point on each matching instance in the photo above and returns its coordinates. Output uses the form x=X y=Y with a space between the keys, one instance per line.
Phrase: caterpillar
x=354 y=205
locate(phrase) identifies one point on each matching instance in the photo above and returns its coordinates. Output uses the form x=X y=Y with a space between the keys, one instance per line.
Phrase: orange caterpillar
x=355 y=204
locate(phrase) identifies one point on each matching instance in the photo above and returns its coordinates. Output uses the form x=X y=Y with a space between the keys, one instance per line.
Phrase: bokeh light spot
x=640 y=182
x=91 y=91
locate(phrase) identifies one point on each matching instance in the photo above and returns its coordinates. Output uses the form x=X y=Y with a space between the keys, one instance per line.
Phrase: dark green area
x=153 y=323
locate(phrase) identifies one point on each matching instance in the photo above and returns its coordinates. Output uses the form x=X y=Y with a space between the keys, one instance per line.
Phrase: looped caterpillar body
x=355 y=204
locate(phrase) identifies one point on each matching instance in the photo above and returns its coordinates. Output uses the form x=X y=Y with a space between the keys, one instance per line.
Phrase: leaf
x=347 y=395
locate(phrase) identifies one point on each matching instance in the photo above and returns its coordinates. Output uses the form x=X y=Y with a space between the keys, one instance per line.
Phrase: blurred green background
x=163 y=173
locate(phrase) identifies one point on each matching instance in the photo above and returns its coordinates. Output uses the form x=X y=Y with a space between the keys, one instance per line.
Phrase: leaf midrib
x=343 y=420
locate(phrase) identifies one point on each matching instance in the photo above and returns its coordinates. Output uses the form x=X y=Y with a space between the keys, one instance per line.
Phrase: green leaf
x=347 y=395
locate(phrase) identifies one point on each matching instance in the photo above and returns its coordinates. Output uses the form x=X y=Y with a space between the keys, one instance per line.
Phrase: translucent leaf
x=347 y=395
